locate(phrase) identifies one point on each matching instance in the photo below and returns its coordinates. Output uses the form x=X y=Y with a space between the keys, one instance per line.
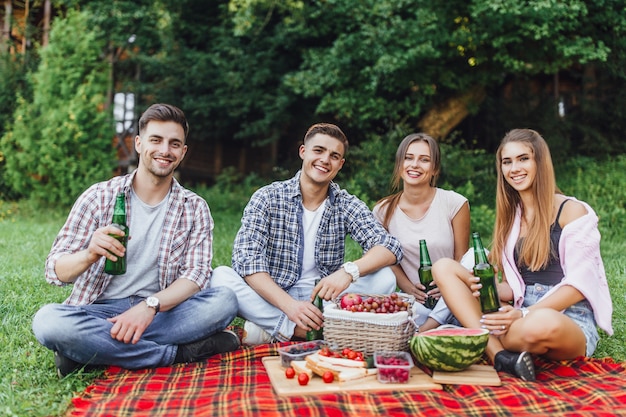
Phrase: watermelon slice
x=449 y=348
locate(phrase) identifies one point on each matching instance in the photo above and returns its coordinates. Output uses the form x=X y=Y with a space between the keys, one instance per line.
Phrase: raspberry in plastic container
x=393 y=367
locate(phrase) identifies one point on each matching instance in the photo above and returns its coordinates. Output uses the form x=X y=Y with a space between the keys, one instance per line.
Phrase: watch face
x=152 y=301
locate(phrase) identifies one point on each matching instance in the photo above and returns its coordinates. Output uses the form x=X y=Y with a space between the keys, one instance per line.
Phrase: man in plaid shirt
x=292 y=234
x=161 y=310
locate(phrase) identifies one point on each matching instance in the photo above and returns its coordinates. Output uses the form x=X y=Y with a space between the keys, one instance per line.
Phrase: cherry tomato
x=290 y=372
x=328 y=377
x=303 y=379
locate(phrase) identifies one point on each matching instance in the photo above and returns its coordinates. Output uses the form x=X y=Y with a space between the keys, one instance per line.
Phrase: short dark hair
x=327 y=129
x=163 y=113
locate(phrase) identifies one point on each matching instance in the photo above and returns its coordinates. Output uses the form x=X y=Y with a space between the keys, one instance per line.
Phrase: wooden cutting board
x=474 y=375
x=418 y=381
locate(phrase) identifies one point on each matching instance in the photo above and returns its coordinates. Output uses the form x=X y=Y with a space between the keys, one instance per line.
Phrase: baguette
x=301 y=368
x=350 y=363
x=341 y=373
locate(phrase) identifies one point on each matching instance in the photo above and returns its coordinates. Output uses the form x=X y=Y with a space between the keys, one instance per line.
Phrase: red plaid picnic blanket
x=236 y=384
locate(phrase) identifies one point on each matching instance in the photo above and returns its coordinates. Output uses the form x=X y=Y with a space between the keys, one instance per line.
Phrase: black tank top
x=552 y=274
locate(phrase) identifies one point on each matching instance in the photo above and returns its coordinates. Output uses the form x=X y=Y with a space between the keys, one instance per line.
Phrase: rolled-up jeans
x=82 y=333
x=440 y=313
x=274 y=321
x=581 y=313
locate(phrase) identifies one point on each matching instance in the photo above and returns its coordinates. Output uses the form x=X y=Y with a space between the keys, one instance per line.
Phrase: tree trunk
x=46 y=22
x=26 y=30
x=6 y=31
x=439 y=121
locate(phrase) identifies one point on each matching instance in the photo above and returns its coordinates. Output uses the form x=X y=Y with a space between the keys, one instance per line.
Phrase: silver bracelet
x=524 y=311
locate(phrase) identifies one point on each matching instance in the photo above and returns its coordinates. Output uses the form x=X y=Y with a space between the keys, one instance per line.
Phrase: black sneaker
x=222 y=342
x=519 y=364
x=66 y=366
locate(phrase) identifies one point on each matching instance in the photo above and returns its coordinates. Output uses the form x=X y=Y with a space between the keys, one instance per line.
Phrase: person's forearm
x=564 y=297
x=69 y=267
x=179 y=291
x=402 y=280
x=374 y=259
x=265 y=286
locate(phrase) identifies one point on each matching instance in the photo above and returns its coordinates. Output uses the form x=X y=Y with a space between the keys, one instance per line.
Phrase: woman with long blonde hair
x=555 y=293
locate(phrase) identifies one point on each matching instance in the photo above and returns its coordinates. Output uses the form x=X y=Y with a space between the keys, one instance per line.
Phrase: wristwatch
x=352 y=269
x=154 y=303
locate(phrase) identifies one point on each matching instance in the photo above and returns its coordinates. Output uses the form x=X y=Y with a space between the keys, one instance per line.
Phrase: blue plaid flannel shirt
x=271 y=240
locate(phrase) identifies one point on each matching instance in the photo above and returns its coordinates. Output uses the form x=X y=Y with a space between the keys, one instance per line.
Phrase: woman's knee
x=445 y=269
x=543 y=326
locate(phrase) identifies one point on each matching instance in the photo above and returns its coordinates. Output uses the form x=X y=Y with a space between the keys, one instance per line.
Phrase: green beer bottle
x=425 y=274
x=313 y=334
x=489 y=300
x=119 y=220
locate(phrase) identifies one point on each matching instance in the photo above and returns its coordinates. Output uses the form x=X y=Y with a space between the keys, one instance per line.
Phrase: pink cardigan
x=579 y=251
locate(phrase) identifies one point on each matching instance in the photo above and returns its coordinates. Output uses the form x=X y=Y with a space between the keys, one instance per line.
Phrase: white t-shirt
x=435 y=227
x=310 y=223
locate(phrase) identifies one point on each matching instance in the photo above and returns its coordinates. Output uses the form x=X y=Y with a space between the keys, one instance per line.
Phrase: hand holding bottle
x=117 y=266
x=104 y=243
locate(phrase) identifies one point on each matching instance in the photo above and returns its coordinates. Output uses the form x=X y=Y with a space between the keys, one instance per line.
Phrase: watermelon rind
x=451 y=349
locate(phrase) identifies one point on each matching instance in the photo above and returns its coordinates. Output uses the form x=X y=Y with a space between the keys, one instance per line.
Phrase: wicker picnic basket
x=369 y=332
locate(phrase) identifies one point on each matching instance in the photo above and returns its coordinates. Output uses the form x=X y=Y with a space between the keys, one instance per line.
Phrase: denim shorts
x=581 y=313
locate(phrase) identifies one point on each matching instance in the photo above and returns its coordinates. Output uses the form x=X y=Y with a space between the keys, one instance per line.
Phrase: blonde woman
x=555 y=291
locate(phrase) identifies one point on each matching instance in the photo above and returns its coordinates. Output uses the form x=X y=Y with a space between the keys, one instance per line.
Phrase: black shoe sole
x=222 y=342
x=524 y=367
x=66 y=366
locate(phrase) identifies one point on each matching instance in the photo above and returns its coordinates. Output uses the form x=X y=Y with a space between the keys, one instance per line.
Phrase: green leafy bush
x=60 y=142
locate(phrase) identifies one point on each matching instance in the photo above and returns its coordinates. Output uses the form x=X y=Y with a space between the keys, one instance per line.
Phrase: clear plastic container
x=298 y=351
x=393 y=367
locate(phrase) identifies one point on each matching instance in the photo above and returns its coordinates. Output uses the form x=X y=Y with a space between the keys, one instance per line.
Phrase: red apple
x=349 y=300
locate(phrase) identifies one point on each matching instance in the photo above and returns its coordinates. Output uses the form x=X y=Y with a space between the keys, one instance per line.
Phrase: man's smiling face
x=161 y=148
x=322 y=158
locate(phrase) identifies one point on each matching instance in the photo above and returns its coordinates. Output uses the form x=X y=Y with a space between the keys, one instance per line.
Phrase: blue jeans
x=82 y=333
x=440 y=313
x=581 y=313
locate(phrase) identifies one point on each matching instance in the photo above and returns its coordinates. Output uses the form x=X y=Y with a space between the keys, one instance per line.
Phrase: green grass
x=28 y=382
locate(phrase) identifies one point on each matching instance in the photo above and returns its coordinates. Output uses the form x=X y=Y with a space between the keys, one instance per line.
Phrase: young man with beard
x=160 y=311
x=292 y=234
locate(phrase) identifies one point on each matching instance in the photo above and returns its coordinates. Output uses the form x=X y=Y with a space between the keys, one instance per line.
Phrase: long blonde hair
x=535 y=250
x=391 y=201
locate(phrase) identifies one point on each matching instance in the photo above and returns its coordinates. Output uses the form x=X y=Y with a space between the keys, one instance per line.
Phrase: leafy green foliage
x=61 y=141
x=371 y=65
x=13 y=83
x=549 y=35
x=228 y=82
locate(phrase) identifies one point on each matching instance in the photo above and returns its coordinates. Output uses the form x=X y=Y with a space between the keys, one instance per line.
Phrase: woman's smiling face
x=518 y=165
x=417 y=164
